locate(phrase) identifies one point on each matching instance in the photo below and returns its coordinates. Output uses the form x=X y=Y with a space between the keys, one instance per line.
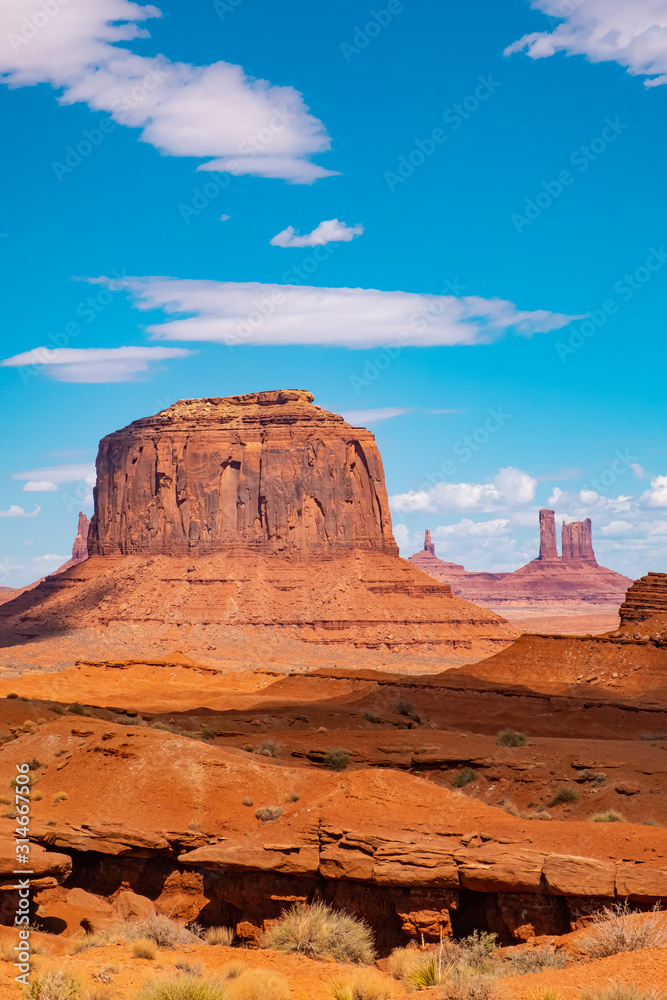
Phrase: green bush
x=464 y=776
x=565 y=795
x=76 y=709
x=319 y=930
x=511 y=738
x=338 y=759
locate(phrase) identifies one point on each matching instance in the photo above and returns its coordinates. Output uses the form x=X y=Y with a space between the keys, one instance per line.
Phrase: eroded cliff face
x=645 y=598
x=268 y=472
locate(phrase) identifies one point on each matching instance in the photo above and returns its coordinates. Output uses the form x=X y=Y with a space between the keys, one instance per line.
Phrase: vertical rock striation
x=267 y=472
x=80 y=546
x=548 y=549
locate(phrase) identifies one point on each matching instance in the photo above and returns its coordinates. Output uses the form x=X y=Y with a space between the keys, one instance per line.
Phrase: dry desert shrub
x=269 y=748
x=318 y=930
x=535 y=960
x=371 y=717
x=144 y=948
x=220 y=935
x=464 y=776
x=54 y=986
x=268 y=814
x=182 y=988
x=617 y=929
x=565 y=795
x=611 y=816
x=511 y=738
x=258 y=984
x=622 y=991
x=337 y=759
x=162 y=930
x=364 y=984
x=98 y=992
x=189 y=968
x=404 y=707
x=7 y=953
x=60 y=797
x=232 y=970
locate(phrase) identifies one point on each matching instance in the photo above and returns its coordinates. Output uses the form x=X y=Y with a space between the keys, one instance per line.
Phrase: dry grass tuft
x=268 y=814
x=54 y=986
x=318 y=930
x=364 y=984
x=611 y=816
x=511 y=738
x=258 y=984
x=182 y=988
x=163 y=931
x=144 y=948
x=220 y=935
x=618 y=929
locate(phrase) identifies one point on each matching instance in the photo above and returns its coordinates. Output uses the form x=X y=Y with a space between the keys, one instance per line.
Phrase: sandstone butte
x=262 y=512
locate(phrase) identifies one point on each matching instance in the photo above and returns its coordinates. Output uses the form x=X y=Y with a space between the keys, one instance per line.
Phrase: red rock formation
x=549 y=578
x=267 y=472
x=645 y=598
x=427 y=561
x=548 y=548
x=578 y=542
x=260 y=511
x=80 y=547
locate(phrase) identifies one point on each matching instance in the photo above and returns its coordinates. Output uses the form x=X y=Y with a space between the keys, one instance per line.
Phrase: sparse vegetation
x=619 y=929
x=464 y=776
x=144 y=948
x=162 y=930
x=535 y=960
x=248 y=747
x=364 y=984
x=268 y=814
x=611 y=816
x=511 y=738
x=293 y=797
x=371 y=717
x=207 y=733
x=269 y=748
x=247 y=801
x=182 y=988
x=60 y=797
x=76 y=709
x=12 y=694
x=258 y=984
x=565 y=795
x=404 y=707
x=622 y=991
x=54 y=986
x=220 y=935
x=338 y=759
x=319 y=930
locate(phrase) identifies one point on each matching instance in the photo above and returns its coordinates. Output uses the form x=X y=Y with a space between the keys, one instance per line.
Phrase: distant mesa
x=575 y=575
x=261 y=512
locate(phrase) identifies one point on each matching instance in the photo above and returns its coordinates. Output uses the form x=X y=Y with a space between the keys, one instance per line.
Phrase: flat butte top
x=274 y=406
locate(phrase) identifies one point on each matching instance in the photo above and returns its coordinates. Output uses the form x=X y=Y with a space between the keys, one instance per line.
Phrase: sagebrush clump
x=619 y=929
x=319 y=930
x=511 y=738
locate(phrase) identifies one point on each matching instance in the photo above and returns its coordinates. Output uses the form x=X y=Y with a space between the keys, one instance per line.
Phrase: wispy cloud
x=510 y=488
x=362 y=417
x=40 y=486
x=630 y=32
x=15 y=511
x=246 y=125
x=56 y=475
x=330 y=231
x=232 y=312
x=94 y=364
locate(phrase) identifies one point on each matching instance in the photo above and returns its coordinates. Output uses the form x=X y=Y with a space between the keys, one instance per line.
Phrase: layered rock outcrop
x=573 y=576
x=645 y=598
x=80 y=546
x=267 y=472
x=262 y=512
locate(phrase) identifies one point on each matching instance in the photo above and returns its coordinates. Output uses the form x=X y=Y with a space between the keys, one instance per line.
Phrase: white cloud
x=225 y=218
x=247 y=125
x=58 y=474
x=509 y=488
x=638 y=470
x=49 y=560
x=630 y=32
x=94 y=364
x=330 y=231
x=40 y=486
x=403 y=538
x=656 y=496
x=243 y=312
x=15 y=511
x=362 y=417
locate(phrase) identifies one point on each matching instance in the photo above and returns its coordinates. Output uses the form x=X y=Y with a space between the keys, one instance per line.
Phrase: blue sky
x=404 y=217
